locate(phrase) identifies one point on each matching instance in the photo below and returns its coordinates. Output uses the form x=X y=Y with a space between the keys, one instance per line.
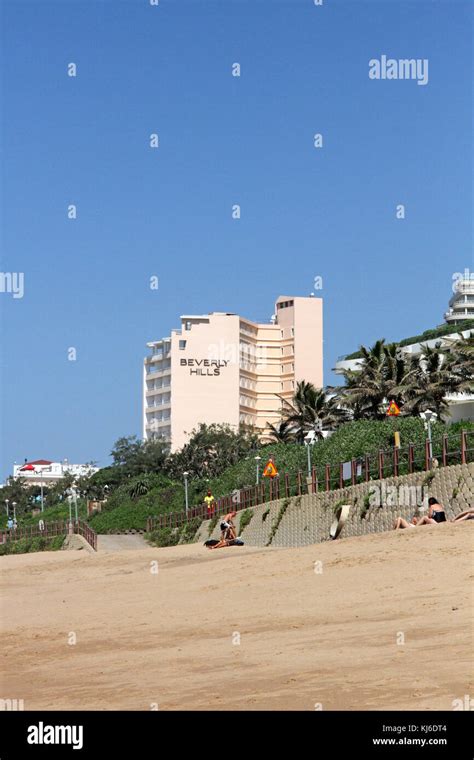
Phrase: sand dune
x=306 y=638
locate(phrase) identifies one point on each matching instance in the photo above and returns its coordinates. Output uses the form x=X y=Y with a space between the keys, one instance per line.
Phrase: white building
x=461 y=303
x=223 y=368
x=42 y=471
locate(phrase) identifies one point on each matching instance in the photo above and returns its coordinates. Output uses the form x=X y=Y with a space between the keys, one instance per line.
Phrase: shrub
x=245 y=519
x=189 y=530
x=35 y=544
x=163 y=537
x=279 y=518
x=213 y=524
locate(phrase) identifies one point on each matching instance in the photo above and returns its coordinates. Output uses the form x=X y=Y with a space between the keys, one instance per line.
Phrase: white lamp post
x=257 y=462
x=185 y=475
x=310 y=439
x=429 y=416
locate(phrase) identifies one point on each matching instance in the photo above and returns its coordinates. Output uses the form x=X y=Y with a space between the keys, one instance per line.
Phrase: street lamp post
x=7 y=501
x=42 y=497
x=310 y=443
x=310 y=440
x=429 y=416
x=257 y=461
x=185 y=475
x=14 y=511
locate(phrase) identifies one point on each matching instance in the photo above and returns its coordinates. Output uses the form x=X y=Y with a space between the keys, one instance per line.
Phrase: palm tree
x=283 y=432
x=309 y=407
x=435 y=377
x=462 y=366
x=415 y=382
x=364 y=392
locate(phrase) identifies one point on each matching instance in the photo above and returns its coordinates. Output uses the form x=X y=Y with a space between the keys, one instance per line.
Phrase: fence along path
x=385 y=463
x=58 y=528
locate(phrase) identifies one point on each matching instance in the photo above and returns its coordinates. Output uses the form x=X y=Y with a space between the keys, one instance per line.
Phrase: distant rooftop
x=436 y=332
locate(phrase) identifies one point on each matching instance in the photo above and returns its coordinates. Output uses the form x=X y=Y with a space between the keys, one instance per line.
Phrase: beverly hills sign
x=204 y=367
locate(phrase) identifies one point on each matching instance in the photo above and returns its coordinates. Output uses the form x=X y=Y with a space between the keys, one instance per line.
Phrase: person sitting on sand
x=228 y=527
x=436 y=511
x=415 y=522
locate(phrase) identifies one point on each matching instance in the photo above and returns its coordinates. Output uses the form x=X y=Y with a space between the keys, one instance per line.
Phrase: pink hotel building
x=222 y=368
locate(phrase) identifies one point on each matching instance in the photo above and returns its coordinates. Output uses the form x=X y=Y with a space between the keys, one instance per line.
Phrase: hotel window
x=187 y=325
x=182 y=345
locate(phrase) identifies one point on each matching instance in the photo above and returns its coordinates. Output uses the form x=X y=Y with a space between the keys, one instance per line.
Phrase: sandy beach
x=382 y=622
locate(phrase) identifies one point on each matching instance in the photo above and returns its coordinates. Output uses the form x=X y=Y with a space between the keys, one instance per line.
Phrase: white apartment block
x=223 y=368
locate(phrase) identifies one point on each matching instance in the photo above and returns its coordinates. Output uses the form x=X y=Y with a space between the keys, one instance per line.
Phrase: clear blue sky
x=223 y=140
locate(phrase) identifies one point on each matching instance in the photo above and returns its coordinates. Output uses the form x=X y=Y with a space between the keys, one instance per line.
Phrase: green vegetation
x=351 y=440
x=173 y=536
x=213 y=523
x=436 y=332
x=245 y=519
x=416 y=382
x=60 y=511
x=279 y=517
x=428 y=479
x=146 y=480
x=164 y=537
x=35 y=544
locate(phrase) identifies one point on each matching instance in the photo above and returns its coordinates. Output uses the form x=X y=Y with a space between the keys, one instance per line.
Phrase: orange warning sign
x=270 y=471
x=393 y=410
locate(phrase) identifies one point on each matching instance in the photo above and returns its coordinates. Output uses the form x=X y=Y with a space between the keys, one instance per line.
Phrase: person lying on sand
x=225 y=542
x=436 y=515
x=399 y=523
x=468 y=514
x=228 y=527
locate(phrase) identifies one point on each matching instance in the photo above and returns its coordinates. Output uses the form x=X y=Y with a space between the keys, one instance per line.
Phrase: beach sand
x=244 y=628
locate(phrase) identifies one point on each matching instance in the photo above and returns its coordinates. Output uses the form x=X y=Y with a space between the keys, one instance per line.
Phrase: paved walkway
x=117 y=542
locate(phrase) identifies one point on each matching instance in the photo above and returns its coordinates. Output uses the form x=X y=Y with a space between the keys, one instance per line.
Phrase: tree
x=283 y=432
x=309 y=407
x=210 y=450
x=414 y=382
x=434 y=378
x=135 y=457
x=365 y=391
x=15 y=490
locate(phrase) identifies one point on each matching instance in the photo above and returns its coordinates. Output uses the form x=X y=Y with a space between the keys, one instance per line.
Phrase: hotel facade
x=223 y=368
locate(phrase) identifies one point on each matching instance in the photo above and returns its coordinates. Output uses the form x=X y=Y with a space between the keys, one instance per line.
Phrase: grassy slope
x=352 y=440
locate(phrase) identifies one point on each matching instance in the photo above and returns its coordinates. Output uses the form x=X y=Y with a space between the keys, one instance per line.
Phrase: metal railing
x=375 y=466
x=58 y=528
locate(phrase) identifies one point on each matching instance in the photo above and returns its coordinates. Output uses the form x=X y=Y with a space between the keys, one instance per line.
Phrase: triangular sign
x=393 y=410
x=270 y=471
